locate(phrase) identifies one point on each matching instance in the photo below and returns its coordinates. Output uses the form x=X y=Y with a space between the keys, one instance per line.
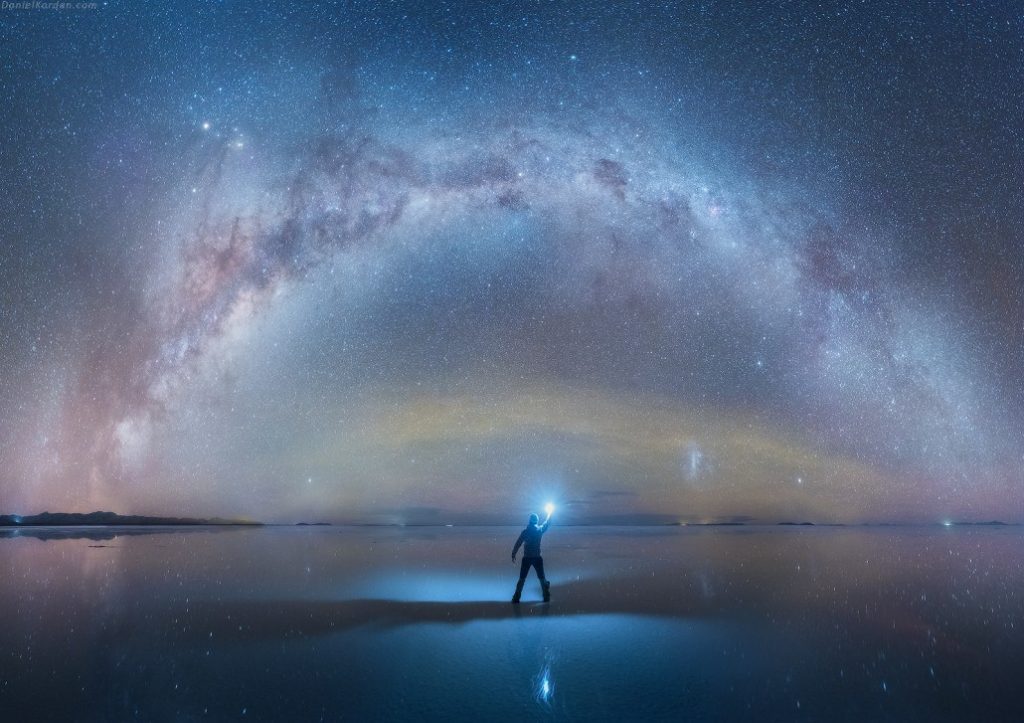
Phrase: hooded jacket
x=530 y=537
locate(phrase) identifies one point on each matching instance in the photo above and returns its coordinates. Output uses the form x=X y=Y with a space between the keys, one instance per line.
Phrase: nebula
x=374 y=295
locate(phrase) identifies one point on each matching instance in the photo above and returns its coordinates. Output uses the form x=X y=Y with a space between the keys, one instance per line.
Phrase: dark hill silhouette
x=59 y=519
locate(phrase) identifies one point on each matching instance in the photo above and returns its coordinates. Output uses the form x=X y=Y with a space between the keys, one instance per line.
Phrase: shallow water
x=325 y=623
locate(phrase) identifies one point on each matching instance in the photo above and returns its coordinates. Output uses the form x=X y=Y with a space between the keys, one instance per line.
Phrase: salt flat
x=913 y=623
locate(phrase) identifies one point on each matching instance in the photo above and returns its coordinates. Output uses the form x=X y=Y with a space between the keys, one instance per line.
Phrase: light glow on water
x=699 y=629
x=545 y=689
x=435 y=586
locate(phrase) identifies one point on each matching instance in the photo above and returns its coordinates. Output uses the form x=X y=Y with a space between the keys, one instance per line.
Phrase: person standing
x=529 y=539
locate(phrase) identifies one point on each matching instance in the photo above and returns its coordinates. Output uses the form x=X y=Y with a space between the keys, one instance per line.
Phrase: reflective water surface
x=331 y=623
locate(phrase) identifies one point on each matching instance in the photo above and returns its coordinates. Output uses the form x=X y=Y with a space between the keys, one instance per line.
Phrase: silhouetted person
x=530 y=539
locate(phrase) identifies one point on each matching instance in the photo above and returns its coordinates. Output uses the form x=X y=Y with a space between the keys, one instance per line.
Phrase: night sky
x=442 y=262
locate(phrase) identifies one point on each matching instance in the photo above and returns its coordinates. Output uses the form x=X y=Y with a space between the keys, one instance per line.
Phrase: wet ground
x=335 y=623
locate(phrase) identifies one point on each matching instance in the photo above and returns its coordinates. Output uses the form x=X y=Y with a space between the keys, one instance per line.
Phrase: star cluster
x=407 y=263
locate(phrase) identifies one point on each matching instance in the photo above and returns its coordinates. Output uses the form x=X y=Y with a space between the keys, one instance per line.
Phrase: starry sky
x=441 y=262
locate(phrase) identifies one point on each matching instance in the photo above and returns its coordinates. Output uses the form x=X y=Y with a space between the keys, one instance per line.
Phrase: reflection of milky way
x=313 y=305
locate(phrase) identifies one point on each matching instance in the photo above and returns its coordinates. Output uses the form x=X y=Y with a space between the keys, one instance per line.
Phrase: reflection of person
x=529 y=538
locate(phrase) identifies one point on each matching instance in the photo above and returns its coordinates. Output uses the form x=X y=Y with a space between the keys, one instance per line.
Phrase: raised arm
x=546 y=525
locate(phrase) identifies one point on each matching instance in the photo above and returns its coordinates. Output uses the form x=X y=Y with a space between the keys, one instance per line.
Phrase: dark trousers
x=538 y=565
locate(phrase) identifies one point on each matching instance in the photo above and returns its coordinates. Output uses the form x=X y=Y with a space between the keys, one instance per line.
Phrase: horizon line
x=16 y=520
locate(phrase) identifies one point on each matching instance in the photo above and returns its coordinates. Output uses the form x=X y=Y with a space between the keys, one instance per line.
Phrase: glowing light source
x=549 y=508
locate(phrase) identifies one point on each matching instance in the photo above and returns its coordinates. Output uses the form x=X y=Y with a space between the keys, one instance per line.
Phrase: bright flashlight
x=549 y=508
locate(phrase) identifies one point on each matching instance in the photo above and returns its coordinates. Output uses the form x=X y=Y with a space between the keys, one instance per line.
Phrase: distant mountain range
x=108 y=518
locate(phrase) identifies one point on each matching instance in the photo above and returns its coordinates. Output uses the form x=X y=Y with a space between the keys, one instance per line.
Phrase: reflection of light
x=436 y=586
x=947 y=523
x=545 y=688
x=17 y=519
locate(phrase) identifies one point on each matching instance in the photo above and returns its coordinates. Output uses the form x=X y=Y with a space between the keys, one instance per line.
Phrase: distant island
x=67 y=519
